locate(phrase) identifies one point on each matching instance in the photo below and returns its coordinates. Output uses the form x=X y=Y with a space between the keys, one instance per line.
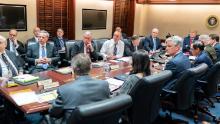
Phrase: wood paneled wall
x=53 y=14
x=124 y=15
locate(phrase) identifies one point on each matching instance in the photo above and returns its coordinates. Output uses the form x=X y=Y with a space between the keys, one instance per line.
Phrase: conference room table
x=96 y=72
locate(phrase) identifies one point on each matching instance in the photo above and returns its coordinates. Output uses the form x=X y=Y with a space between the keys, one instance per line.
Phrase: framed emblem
x=212 y=21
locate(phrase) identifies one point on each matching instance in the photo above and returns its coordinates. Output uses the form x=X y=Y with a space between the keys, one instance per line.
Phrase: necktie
x=61 y=43
x=191 y=40
x=43 y=54
x=9 y=66
x=155 y=45
x=115 y=50
x=14 y=49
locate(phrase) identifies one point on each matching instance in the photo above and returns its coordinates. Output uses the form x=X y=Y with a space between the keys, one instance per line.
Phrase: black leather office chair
x=99 y=43
x=181 y=97
x=146 y=98
x=207 y=90
x=103 y=112
x=69 y=45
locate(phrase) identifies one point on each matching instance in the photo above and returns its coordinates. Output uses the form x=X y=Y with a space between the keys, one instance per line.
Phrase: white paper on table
x=192 y=57
x=116 y=61
x=125 y=59
x=114 y=83
x=23 y=98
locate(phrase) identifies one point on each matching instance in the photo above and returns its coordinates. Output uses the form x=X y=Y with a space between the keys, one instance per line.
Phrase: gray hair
x=3 y=39
x=44 y=32
x=204 y=38
x=87 y=33
x=155 y=29
x=81 y=64
x=177 y=40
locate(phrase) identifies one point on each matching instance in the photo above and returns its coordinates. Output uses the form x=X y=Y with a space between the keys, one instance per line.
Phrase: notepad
x=114 y=83
x=66 y=70
x=24 y=97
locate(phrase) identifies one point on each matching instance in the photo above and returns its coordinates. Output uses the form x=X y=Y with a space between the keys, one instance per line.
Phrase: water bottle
x=106 y=67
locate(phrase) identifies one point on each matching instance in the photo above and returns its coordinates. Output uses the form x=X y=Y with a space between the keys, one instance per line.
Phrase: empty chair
x=103 y=112
x=146 y=98
x=99 y=43
x=181 y=97
x=69 y=45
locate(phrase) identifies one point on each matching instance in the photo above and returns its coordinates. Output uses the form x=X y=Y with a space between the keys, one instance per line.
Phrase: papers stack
x=114 y=83
x=25 y=79
x=23 y=97
x=67 y=70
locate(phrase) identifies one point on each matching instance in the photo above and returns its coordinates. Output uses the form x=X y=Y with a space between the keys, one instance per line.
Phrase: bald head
x=117 y=36
x=36 y=31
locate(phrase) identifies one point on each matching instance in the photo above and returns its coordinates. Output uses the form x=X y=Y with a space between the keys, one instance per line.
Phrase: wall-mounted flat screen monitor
x=13 y=16
x=93 y=19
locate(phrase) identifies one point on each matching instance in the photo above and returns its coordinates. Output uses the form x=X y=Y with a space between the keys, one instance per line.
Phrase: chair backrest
x=146 y=98
x=99 y=43
x=69 y=45
x=103 y=112
x=185 y=86
x=213 y=79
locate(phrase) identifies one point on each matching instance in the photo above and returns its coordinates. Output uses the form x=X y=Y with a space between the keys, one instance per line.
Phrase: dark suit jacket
x=33 y=53
x=21 y=49
x=186 y=43
x=217 y=50
x=149 y=44
x=129 y=48
x=13 y=59
x=203 y=57
x=78 y=47
x=57 y=43
x=177 y=65
x=83 y=90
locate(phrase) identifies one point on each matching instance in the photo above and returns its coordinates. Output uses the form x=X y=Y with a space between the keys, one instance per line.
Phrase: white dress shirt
x=108 y=48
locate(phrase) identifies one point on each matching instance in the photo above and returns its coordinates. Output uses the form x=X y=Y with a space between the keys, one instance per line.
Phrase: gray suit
x=33 y=53
x=14 y=60
x=83 y=90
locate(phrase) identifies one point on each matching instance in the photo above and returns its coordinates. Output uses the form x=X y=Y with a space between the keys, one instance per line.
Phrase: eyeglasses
x=12 y=34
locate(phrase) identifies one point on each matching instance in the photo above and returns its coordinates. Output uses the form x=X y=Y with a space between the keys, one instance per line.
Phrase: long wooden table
x=62 y=79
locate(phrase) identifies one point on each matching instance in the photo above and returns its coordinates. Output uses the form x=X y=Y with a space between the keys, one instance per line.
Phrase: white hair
x=204 y=38
x=2 y=39
x=44 y=32
x=177 y=40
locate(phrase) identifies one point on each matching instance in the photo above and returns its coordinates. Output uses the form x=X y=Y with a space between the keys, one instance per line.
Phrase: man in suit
x=132 y=46
x=86 y=46
x=189 y=40
x=34 y=39
x=15 y=45
x=42 y=56
x=205 y=39
x=60 y=44
x=201 y=54
x=215 y=43
x=114 y=48
x=9 y=66
x=179 y=61
x=152 y=42
x=83 y=90
x=123 y=35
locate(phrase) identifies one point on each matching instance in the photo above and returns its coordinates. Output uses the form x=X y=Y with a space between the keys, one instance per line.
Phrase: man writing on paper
x=83 y=90
x=42 y=56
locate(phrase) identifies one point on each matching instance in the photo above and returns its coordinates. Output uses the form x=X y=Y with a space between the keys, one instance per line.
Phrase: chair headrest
x=201 y=68
x=162 y=76
x=104 y=107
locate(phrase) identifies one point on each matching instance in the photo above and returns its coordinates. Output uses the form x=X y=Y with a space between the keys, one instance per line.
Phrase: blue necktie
x=61 y=43
x=43 y=54
x=115 y=50
x=155 y=45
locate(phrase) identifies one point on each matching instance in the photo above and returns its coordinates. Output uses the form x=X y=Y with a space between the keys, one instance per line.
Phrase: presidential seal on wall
x=212 y=21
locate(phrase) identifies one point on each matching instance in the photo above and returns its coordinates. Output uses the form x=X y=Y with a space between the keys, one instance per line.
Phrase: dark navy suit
x=186 y=43
x=217 y=50
x=203 y=57
x=83 y=90
x=13 y=59
x=129 y=48
x=78 y=47
x=149 y=44
x=177 y=65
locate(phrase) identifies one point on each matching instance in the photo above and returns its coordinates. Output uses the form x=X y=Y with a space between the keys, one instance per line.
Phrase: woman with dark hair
x=140 y=69
x=201 y=55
